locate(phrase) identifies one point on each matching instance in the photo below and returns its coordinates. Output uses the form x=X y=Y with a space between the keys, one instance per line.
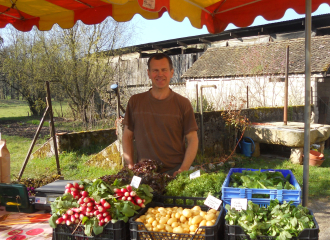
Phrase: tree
x=77 y=61
x=21 y=60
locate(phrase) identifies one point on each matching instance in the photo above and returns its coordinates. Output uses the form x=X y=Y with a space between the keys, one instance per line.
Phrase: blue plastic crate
x=282 y=195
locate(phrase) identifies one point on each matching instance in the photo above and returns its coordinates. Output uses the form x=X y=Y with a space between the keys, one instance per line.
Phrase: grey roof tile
x=261 y=59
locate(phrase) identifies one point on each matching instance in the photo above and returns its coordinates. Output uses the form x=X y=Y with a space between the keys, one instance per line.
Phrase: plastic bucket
x=247 y=146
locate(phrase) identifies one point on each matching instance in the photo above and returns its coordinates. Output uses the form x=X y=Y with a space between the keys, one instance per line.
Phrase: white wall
x=263 y=91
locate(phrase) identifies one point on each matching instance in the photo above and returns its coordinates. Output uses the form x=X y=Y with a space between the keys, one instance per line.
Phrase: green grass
x=72 y=164
x=15 y=109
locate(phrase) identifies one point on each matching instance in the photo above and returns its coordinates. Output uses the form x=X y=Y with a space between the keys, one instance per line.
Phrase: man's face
x=160 y=73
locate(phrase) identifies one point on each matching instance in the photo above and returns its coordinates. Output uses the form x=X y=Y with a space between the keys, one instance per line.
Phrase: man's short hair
x=158 y=56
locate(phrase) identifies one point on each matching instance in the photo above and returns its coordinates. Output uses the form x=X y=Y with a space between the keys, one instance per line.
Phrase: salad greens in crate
x=282 y=221
x=260 y=180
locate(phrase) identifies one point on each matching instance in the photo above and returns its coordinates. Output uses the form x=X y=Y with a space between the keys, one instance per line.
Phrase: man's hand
x=128 y=147
x=130 y=166
x=177 y=172
x=191 y=152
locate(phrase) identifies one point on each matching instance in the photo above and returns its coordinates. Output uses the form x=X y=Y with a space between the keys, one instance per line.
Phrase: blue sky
x=165 y=28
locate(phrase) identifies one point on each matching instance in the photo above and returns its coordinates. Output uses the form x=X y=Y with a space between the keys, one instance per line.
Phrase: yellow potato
x=212 y=211
x=209 y=223
x=163 y=220
x=160 y=209
x=154 y=223
x=160 y=226
x=183 y=219
x=177 y=215
x=175 y=224
x=197 y=208
x=187 y=213
x=184 y=225
x=195 y=212
x=210 y=216
x=171 y=220
x=193 y=228
x=202 y=213
x=202 y=223
x=150 y=220
x=178 y=230
x=197 y=219
x=168 y=228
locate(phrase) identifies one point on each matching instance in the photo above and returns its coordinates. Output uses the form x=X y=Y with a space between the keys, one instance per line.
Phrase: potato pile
x=177 y=219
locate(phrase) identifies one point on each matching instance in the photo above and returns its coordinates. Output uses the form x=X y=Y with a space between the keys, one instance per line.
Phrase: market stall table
x=16 y=225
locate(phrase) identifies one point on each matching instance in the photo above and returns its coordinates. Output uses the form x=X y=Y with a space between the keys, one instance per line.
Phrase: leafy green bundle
x=260 y=180
x=281 y=221
x=207 y=183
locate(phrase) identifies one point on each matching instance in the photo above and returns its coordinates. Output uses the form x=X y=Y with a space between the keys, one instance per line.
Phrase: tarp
x=214 y=14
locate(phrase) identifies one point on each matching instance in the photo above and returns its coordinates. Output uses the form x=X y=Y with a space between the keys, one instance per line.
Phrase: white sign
x=136 y=181
x=149 y=4
x=271 y=171
x=195 y=174
x=239 y=203
x=212 y=202
x=51 y=199
x=41 y=200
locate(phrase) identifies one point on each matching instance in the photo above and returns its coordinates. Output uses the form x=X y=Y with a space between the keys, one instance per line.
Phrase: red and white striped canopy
x=215 y=14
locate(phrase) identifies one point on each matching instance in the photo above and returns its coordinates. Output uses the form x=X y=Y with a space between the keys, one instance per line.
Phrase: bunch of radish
x=127 y=194
x=88 y=207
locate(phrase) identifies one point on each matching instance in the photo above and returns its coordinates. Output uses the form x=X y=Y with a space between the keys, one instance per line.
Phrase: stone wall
x=74 y=141
x=217 y=138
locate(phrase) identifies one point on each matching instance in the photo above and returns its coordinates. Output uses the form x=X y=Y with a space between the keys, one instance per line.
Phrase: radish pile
x=127 y=194
x=96 y=204
x=88 y=207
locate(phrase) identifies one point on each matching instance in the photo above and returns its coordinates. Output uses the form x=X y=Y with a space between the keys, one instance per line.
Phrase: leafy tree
x=78 y=61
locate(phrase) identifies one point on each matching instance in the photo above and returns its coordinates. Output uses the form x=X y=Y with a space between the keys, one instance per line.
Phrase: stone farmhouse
x=247 y=63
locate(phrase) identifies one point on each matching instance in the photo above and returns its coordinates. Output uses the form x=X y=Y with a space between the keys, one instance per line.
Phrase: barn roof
x=261 y=59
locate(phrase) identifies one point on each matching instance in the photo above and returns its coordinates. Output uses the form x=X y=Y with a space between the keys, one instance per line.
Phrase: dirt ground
x=22 y=129
x=321 y=210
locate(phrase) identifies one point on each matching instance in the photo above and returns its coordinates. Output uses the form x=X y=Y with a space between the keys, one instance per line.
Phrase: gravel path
x=321 y=210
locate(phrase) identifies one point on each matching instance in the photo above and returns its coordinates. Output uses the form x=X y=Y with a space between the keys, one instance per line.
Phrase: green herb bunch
x=282 y=221
x=207 y=183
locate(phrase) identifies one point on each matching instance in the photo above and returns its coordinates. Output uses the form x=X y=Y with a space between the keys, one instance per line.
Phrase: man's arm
x=128 y=151
x=191 y=151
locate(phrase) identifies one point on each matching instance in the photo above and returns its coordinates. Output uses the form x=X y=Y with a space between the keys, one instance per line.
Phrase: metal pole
x=197 y=97
x=247 y=96
x=202 y=123
x=285 y=114
x=118 y=102
x=49 y=103
x=307 y=109
x=32 y=144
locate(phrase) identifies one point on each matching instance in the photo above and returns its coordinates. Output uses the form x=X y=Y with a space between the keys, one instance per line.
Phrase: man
x=160 y=120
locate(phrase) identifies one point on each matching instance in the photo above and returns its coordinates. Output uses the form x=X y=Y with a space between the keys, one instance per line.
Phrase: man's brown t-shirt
x=160 y=126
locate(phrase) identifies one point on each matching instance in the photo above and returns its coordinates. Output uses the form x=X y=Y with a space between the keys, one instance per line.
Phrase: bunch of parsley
x=282 y=221
x=207 y=183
